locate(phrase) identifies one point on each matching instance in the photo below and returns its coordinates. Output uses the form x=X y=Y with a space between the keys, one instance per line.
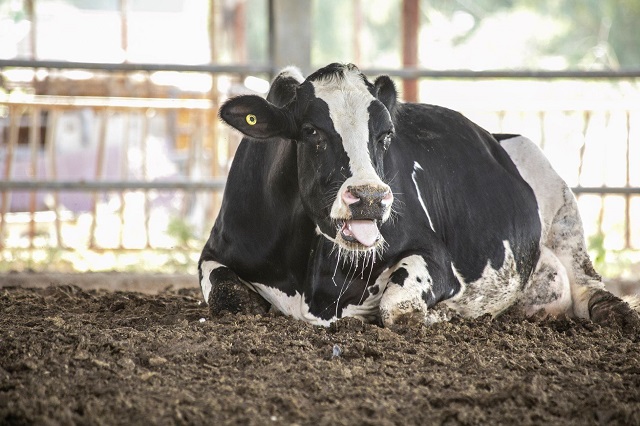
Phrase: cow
x=344 y=201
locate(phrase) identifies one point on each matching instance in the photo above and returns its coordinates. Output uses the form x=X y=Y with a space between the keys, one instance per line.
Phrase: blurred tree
x=333 y=29
x=595 y=33
x=585 y=34
x=599 y=33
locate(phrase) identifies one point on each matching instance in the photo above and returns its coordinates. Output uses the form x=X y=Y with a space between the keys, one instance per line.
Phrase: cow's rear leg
x=563 y=234
x=590 y=299
x=548 y=291
x=224 y=291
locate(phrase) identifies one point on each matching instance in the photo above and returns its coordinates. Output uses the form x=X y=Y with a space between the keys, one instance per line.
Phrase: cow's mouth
x=362 y=233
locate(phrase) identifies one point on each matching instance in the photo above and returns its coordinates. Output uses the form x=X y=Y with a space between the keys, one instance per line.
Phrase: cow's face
x=342 y=126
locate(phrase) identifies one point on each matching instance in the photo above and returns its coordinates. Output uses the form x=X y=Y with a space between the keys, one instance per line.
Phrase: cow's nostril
x=368 y=195
x=349 y=198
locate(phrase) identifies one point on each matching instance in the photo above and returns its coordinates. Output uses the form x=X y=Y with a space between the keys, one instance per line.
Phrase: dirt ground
x=73 y=356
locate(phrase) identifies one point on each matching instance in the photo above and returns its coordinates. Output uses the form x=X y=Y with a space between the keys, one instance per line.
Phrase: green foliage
x=597 y=251
x=613 y=263
x=586 y=33
x=334 y=23
x=600 y=33
x=184 y=258
x=179 y=229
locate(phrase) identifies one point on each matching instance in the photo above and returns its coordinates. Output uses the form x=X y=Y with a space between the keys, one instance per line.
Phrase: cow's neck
x=263 y=215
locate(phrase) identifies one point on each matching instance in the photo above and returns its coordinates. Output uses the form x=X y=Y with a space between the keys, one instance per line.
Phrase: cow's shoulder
x=260 y=209
x=424 y=114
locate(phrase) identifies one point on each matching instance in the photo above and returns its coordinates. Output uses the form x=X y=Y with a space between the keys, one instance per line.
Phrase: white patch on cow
x=406 y=297
x=536 y=170
x=492 y=293
x=319 y=232
x=349 y=100
x=562 y=230
x=293 y=72
x=416 y=167
x=548 y=290
x=206 y=268
x=295 y=306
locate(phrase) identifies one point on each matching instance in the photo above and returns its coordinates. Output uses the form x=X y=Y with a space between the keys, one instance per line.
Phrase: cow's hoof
x=411 y=319
x=403 y=313
x=413 y=313
x=607 y=309
x=235 y=297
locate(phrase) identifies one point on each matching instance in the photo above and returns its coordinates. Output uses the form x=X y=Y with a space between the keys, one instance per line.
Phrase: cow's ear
x=256 y=117
x=283 y=88
x=386 y=92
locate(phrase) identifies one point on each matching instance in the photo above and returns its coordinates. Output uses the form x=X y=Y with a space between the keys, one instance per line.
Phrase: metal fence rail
x=247 y=69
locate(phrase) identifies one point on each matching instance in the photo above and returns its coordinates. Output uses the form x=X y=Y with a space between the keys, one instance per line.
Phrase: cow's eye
x=309 y=130
x=385 y=141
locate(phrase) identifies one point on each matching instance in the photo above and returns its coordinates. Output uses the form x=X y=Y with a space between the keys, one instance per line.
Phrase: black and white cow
x=343 y=201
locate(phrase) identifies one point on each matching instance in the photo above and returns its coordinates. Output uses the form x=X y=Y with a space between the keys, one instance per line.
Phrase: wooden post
x=239 y=32
x=357 y=32
x=124 y=28
x=34 y=148
x=410 y=30
x=33 y=34
x=290 y=33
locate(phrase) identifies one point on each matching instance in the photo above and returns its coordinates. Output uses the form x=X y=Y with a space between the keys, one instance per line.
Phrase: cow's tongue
x=365 y=231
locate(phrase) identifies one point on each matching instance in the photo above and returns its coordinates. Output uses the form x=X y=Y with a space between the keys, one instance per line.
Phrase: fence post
x=410 y=31
x=290 y=33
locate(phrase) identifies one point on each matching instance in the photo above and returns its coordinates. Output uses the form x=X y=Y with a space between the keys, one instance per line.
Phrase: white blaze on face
x=349 y=100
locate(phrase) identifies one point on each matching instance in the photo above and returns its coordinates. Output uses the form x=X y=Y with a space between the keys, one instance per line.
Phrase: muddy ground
x=72 y=356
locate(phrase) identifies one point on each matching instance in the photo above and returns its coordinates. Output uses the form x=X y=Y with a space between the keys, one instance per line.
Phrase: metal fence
x=125 y=166
x=110 y=162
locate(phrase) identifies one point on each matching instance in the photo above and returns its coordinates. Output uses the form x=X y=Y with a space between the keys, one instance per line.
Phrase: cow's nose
x=367 y=197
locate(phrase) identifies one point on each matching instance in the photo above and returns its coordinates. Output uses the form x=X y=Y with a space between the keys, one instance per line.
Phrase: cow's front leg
x=223 y=290
x=412 y=291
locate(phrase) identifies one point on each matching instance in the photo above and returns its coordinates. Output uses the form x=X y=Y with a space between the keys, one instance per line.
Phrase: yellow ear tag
x=251 y=119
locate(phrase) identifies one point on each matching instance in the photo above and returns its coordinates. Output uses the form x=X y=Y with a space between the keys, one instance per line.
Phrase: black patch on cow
x=470 y=186
x=374 y=289
x=428 y=298
x=399 y=276
x=419 y=279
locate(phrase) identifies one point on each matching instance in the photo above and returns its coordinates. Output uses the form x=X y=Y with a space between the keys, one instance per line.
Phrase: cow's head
x=342 y=126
